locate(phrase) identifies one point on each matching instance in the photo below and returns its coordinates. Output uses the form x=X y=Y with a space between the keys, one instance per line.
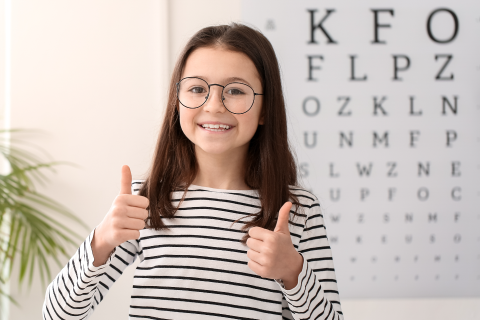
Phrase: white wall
x=187 y=17
x=92 y=75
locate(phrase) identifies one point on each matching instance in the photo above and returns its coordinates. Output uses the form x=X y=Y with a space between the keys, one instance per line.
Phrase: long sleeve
x=80 y=286
x=316 y=294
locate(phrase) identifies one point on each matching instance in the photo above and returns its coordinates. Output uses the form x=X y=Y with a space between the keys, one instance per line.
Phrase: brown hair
x=270 y=166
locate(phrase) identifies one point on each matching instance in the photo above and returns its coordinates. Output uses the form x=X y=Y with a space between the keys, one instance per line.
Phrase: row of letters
x=431 y=217
x=316 y=25
x=401 y=63
x=409 y=239
x=345 y=139
x=422 y=194
x=311 y=106
x=415 y=258
x=391 y=169
x=416 y=277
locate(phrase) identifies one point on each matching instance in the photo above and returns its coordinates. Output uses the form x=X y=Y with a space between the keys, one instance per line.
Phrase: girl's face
x=221 y=66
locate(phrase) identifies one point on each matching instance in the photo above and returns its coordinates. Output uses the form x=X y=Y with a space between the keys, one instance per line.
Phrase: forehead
x=216 y=64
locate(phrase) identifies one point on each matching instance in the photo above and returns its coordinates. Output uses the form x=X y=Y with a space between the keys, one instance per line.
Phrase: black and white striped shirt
x=198 y=268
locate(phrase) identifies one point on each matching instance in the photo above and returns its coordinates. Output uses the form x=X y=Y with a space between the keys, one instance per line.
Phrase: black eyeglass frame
x=208 y=95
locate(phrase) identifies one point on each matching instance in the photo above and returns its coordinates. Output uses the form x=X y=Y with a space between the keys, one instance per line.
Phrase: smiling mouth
x=216 y=127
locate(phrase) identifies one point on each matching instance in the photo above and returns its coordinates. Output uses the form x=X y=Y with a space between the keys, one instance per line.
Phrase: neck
x=221 y=171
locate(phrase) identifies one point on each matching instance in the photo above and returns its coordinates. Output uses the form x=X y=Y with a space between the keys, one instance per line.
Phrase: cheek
x=186 y=120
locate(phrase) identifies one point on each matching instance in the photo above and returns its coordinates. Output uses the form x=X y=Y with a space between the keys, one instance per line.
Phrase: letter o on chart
x=311 y=106
x=422 y=194
x=455 y=22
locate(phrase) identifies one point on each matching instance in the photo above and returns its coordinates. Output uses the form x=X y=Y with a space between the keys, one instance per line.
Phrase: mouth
x=216 y=127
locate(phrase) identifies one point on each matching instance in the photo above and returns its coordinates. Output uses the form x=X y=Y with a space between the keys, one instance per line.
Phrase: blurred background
x=91 y=78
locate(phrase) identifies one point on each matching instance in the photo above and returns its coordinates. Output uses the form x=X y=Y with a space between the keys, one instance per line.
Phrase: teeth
x=216 y=126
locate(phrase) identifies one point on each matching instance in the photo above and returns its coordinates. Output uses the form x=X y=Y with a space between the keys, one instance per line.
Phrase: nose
x=214 y=102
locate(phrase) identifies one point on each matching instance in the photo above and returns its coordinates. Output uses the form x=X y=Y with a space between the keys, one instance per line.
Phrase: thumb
x=126 y=181
x=282 y=221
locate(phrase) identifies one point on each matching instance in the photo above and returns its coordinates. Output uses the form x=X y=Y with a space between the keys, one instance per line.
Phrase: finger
x=136 y=201
x=132 y=224
x=255 y=256
x=255 y=267
x=126 y=181
x=258 y=233
x=282 y=221
x=255 y=244
x=137 y=213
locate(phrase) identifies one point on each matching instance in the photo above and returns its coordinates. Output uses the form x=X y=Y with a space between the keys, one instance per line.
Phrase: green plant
x=33 y=233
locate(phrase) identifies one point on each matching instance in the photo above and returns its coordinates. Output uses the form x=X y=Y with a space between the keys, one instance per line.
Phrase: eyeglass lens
x=237 y=97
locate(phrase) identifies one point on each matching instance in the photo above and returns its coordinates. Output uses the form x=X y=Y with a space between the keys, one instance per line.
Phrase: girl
x=221 y=238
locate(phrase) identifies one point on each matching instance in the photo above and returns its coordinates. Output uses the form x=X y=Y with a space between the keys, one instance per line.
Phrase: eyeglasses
x=237 y=97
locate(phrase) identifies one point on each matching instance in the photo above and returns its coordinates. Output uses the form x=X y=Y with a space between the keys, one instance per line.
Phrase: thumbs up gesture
x=272 y=254
x=123 y=221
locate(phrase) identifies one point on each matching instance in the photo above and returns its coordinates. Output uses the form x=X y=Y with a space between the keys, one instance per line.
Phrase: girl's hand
x=123 y=221
x=272 y=253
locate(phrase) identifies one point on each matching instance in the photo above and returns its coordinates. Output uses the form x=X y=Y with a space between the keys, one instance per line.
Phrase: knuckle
x=263 y=261
x=120 y=199
x=271 y=238
x=116 y=200
x=123 y=210
x=268 y=251
x=147 y=201
x=119 y=210
x=115 y=222
x=114 y=210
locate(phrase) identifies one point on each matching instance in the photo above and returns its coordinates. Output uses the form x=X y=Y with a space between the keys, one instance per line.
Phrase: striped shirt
x=198 y=268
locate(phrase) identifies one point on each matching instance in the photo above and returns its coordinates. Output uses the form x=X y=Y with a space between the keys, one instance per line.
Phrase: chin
x=214 y=149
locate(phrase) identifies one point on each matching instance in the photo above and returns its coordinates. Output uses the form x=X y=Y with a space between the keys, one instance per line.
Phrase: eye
x=197 y=90
x=234 y=91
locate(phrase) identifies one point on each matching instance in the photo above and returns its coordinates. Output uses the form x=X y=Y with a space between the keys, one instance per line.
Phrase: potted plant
x=29 y=232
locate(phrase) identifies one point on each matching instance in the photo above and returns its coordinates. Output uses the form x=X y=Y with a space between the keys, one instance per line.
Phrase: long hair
x=270 y=166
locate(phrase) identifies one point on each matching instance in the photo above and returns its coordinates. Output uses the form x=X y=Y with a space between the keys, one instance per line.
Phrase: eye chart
x=384 y=107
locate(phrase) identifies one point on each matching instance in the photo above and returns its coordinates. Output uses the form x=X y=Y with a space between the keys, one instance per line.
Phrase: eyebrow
x=228 y=80
x=233 y=79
